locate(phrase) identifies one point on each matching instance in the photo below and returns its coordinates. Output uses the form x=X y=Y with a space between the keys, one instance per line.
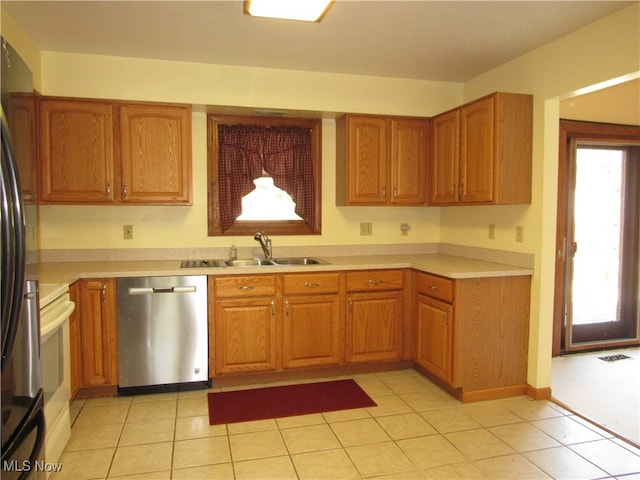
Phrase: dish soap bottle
x=233 y=252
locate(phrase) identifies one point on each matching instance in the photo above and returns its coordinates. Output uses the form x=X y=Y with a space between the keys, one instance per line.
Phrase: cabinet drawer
x=245 y=286
x=374 y=280
x=436 y=287
x=309 y=283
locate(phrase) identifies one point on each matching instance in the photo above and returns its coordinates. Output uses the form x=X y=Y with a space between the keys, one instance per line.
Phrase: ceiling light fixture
x=306 y=10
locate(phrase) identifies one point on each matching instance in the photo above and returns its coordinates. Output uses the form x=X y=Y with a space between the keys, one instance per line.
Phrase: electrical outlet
x=404 y=229
x=366 y=229
x=127 y=232
x=492 y=231
x=519 y=234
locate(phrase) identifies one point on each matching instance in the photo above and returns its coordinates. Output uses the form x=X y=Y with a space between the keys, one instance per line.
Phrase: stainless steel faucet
x=265 y=244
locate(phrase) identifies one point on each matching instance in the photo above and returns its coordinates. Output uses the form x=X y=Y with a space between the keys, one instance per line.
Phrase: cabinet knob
x=433 y=287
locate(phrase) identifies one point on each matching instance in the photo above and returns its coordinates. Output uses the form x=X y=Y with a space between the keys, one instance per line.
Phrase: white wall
x=93 y=76
x=598 y=55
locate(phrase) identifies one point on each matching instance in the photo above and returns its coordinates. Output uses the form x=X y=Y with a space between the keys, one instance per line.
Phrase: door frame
x=571 y=132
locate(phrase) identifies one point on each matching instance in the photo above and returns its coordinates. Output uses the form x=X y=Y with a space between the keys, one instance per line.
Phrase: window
x=243 y=153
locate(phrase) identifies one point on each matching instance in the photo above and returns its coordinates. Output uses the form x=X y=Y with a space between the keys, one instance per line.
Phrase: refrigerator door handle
x=12 y=312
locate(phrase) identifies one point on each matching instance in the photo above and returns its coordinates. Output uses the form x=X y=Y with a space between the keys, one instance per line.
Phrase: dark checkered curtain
x=283 y=152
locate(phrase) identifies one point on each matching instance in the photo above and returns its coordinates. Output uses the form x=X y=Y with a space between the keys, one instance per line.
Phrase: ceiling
x=449 y=41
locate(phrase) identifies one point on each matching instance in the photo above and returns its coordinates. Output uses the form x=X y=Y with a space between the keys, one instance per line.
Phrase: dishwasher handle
x=151 y=290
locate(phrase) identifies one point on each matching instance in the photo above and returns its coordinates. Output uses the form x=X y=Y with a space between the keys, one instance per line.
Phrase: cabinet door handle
x=383 y=193
x=108 y=190
x=245 y=288
x=376 y=282
x=433 y=287
x=311 y=284
x=125 y=192
x=460 y=191
x=350 y=305
x=103 y=293
x=273 y=308
x=395 y=193
x=286 y=308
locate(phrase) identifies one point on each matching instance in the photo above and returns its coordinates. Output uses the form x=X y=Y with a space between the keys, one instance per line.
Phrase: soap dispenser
x=233 y=252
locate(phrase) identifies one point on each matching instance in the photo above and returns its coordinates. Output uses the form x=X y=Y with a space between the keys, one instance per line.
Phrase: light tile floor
x=416 y=431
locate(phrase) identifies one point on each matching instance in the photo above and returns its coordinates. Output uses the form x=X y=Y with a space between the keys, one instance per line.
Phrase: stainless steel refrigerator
x=22 y=402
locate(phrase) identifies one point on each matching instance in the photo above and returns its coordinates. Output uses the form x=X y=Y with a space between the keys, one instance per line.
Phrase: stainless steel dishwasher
x=162 y=333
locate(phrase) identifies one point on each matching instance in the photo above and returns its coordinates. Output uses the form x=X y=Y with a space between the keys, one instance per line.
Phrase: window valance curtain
x=246 y=152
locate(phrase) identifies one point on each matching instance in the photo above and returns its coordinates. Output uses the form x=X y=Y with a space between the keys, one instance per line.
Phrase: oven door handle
x=49 y=327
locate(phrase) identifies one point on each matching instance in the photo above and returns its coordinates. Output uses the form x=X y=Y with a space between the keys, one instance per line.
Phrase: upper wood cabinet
x=106 y=152
x=481 y=152
x=76 y=152
x=381 y=161
x=22 y=115
x=156 y=154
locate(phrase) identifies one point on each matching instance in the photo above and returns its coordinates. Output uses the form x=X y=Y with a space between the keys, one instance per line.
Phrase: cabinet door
x=156 y=154
x=23 y=133
x=98 y=327
x=311 y=331
x=246 y=335
x=367 y=182
x=374 y=322
x=75 y=341
x=408 y=162
x=435 y=337
x=76 y=151
x=443 y=166
x=477 y=160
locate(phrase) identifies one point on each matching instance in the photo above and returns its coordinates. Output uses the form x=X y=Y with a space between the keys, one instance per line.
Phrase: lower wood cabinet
x=98 y=349
x=75 y=342
x=434 y=337
x=246 y=335
x=274 y=322
x=472 y=333
x=245 y=328
x=374 y=315
x=312 y=326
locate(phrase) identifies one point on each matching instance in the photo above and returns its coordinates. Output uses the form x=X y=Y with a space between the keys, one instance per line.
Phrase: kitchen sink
x=252 y=262
x=201 y=263
x=248 y=262
x=298 y=261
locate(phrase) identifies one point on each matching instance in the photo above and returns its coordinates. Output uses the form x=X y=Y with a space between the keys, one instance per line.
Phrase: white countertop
x=445 y=265
x=50 y=291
